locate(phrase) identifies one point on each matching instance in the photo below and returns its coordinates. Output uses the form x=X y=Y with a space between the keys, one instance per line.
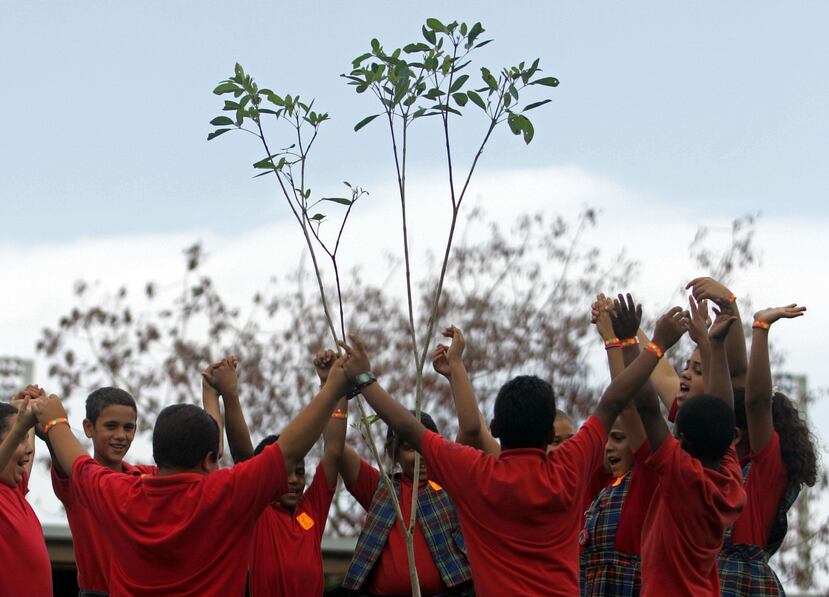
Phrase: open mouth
x=118 y=447
x=684 y=388
x=613 y=460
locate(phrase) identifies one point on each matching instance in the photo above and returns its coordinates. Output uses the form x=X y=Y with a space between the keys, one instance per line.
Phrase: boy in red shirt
x=519 y=511
x=110 y=423
x=699 y=492
x=186 y=531
x=25 y=569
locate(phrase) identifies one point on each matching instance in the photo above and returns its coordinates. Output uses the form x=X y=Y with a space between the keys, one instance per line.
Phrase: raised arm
x=758 y=383
x=719 y=379
x=65 y=447
x=600 y=316
x=17 y=402
x=396 y=416
x=735 y=342
x=222 y=376
x=337 y=428
x=448 y=361
x=18 y=433
x=301 y=433
x=210 y=403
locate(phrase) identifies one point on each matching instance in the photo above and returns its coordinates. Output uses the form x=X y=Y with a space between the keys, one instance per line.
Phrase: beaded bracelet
x=654 y=348
x=613 y=342
x=339 y=414
x=732 y=298
x=49 y=424
x=760 y=325
x=628 y=342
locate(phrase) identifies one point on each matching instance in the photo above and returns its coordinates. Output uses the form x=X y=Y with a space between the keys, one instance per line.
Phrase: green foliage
x=429 y=78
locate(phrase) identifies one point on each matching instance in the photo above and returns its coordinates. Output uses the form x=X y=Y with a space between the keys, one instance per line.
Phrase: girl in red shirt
x=777 y=452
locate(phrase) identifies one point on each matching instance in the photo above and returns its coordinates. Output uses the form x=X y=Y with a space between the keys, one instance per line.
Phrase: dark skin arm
x=64 y=446
x=18 y=433
x=719 y=380
x=222 y=376
x=335 y=431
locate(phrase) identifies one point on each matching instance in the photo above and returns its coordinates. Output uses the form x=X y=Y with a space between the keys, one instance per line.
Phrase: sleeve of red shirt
x=450 y=464
x=317 y=499
x=61 y=486
x=91 y=482
x=364 y=488
x=257 y=481
x=583 y=454
x=768 y=473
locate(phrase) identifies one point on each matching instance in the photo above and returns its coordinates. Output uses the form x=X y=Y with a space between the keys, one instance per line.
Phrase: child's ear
x=209 y=463
x=494 y=428
x=88 y=428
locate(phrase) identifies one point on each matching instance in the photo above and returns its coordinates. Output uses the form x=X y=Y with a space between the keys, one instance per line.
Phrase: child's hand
x=699 y=322
x=626 y=317
x=336 y=378
x=25 y=417
x=709 y=288
x=772 y=314
x=455 y=352
x=323 y=361
x=670 y=327
x=47 y=408
x=356 y=360
x=600 y=315
x=722 y=324
x=222 y=376
x=439 y=361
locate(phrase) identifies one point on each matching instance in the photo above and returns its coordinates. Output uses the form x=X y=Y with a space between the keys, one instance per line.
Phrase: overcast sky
x=667 y=118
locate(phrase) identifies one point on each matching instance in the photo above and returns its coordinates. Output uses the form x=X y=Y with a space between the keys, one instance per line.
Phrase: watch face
x=363 y=378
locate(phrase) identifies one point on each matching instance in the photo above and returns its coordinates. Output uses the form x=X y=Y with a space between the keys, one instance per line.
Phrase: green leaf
x=429 y=35
x=476 y=99
x=229 y=105
x=527 y=128
x=483 y=43
x=359 y=59
x=534 y=105
x=264 y=173
x=458 y=83
x=435 y=25
x=460 y=98
x=370 y=420
x=476 y=30
x=364 y=122
x=415 y=47
x=226 y=87
x=221 y=121
x=340 y=200
x=547 y=81
x=318 y=217
x=216 y=133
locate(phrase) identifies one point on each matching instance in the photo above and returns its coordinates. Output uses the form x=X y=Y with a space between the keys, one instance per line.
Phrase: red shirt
x=92 y=550
x=643 y=483
x=391 y=571
x=520 y=512
x=674 y=410
x=286 y=554
x=183 y=534
x=688 y=515
x=24 y=562
x=766 y=483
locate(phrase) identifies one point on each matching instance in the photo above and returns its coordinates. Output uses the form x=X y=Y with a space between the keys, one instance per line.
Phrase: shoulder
x=436 y=447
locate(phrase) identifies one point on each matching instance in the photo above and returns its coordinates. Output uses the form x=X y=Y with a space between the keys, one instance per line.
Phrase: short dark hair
x=6 y=413
x=98 y=400
x=706 y=423
x=266 y=441
x=525 y=411
x=183 y=435
x=393 y=440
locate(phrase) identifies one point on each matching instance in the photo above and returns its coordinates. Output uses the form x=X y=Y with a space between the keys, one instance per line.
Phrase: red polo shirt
x=287 y=555
x=520 y=512
x=766 y=483
x=24 y=562
x=688 y=515
x=92 y=549
x=186 y=534
x=391 y=571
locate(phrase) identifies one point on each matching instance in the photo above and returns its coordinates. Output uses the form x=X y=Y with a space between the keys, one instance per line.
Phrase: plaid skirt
x=745 y=572
x=606 y=574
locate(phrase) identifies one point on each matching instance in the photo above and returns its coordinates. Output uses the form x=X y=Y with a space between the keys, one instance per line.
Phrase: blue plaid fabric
x=604 y=571
x=744 y=569
x=437 y=519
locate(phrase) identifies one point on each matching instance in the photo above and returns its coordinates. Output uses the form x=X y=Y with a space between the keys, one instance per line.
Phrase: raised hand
x=336 y=377
x=323 y=361
x=455 y=352
x=222 y=376
x=670 y=327
x=439 y=361
x=709 y=288
x=626 y=317
x=699 y=321
x=356 y=360
x=719 y=330
x=772 y=314
x=47 y=408
x=600 y=316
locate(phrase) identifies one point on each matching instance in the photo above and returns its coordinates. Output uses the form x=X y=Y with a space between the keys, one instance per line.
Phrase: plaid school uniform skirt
x=606 y=572
x=745 y=572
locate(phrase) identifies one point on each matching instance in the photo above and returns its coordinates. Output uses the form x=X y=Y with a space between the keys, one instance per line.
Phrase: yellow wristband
x=49 y=424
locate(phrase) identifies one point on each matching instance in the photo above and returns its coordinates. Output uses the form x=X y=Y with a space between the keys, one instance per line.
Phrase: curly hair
x=797 y=444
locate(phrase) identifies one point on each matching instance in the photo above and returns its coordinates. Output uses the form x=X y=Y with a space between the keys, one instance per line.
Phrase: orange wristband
x=654 y=348
x=760 y=325
x=339 y=414
x=49 y=424
x=612 y=343
x=732 y=298
x=628 y=342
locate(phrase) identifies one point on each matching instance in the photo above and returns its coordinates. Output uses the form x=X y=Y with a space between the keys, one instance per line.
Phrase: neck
x=118 y=467
x=712 y=464
x=164 y=471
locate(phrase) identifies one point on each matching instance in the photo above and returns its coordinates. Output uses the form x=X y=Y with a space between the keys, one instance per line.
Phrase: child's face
x=112 y=433
x=618 y=456
x=690 y=380
x=406 y=458
x=12 y=474
x=563 y=430
x=296 y=486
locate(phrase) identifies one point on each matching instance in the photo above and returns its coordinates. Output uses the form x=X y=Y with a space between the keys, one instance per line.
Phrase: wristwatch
x=361 y=381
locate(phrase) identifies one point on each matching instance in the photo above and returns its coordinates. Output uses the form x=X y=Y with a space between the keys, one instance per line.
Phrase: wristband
x=49 y=424
x=613 y=342
x=760 y=325
x=732 y=298
x=628 y=342
x=654 y=348
x=339 y=414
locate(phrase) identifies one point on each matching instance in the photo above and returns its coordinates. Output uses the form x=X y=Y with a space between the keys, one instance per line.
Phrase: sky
x=668 y=117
